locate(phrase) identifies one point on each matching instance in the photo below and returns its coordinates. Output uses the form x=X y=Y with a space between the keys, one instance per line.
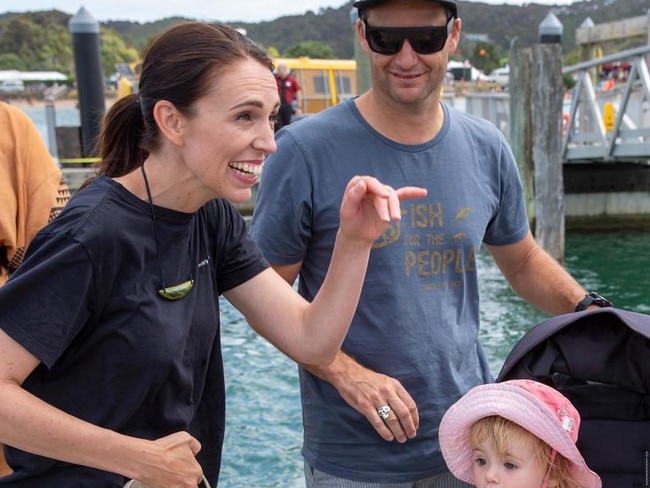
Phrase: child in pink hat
x=515 y=434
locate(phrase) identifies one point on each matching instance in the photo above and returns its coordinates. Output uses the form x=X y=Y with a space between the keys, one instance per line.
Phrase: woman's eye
x=245 y=116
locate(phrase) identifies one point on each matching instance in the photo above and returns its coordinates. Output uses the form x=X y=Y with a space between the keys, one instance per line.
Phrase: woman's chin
x=241 y=196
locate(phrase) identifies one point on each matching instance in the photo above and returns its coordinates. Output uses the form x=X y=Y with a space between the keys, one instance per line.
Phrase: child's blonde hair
x=503 y=433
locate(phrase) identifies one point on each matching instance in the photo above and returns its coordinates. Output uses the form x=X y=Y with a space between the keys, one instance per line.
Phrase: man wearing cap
x=371 y=418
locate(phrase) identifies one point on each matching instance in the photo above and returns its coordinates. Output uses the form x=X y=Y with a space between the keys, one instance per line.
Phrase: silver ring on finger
x=384 y=412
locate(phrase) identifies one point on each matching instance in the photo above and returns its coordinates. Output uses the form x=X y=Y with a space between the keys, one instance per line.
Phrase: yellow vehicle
x=323 y=82
x=127 y=82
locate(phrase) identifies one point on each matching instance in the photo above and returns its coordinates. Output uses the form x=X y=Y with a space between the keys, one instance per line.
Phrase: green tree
x=115 y=51
x=571 y=58
x=12 y=61
x=312 y=49
x=485 y=56
x=273 y=52
x=41 y=41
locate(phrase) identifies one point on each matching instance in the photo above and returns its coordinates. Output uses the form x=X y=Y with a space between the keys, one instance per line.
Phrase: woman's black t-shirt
x=113 y=352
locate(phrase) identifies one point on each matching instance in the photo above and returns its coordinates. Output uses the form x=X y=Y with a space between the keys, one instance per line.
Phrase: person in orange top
x=32 y=189
x=32 y=193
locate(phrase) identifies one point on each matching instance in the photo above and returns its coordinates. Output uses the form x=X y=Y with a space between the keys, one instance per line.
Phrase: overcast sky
x=222 y=10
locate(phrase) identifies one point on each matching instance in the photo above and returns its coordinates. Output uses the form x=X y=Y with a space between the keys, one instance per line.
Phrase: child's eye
x=510 y=465
x=480 y=461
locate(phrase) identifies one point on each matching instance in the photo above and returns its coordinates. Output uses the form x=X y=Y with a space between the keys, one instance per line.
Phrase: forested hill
x=40 y=40
x=500 y=22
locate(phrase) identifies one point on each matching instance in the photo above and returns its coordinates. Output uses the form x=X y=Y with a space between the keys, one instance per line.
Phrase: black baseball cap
x=364 y=4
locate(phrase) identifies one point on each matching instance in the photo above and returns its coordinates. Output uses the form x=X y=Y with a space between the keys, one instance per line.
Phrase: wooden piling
x=536 y=98
x=547 y=99
x=521 y=131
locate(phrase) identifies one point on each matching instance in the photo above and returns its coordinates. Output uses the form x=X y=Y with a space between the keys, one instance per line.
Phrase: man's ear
x=454 y=36
x=361 y=37
x=170 y=121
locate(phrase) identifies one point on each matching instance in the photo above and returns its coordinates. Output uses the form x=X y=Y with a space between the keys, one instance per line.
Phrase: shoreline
x=31 y=103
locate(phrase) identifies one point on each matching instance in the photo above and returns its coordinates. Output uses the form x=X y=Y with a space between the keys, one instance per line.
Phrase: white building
x=13 y=74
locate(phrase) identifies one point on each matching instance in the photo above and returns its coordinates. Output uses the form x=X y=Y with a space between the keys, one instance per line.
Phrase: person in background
x=370 y=417
x=110 y=358
x=515 y=434
x=290 y=99
x=32 y=188
x=32 y=193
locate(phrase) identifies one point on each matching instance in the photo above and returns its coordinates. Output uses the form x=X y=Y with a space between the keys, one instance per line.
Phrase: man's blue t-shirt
x=418 y=317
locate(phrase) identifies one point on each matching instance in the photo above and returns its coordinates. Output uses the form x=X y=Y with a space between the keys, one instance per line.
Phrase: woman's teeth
x=254 y=169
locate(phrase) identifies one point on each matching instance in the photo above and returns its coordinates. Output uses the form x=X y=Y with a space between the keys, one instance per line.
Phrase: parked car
x=12 y=86
x=500 y=76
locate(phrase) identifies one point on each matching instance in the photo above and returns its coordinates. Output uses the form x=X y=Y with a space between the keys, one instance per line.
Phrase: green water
x=615 y=264
x=263 y=433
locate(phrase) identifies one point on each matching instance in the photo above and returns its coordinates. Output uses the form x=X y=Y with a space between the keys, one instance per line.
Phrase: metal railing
x=587 y=136
x=494 y=107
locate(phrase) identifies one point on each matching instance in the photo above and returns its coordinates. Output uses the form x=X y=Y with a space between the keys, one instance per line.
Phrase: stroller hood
x=605 y=345
x=600 y=360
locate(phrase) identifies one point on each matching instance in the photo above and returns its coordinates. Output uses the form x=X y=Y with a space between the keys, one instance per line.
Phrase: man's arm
x=366 y=390
x=536 y=277
x=363 y=389
x=289 y=272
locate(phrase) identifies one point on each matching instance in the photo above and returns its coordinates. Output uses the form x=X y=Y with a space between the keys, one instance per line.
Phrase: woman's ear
x=170 y=121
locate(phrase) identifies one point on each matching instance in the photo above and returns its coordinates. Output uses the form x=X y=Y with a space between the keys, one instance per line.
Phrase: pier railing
x=598 y=125
x=609 y=125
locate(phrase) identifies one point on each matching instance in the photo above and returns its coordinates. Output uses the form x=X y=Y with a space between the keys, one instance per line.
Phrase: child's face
x=518 y=468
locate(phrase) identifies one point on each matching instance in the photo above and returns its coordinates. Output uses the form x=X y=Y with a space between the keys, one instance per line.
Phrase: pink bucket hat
x=540 y=409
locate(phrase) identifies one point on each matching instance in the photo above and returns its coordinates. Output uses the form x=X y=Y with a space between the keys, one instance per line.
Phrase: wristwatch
x=593 y=298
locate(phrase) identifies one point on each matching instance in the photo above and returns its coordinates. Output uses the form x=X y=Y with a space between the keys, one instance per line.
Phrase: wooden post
x=521 y=131
x=547 y=98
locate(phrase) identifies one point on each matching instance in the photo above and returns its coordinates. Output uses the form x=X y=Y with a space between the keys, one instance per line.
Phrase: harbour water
x=67 y=115
x=263 y=432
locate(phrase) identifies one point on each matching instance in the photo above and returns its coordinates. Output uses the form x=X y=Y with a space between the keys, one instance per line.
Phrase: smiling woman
x=128 y=278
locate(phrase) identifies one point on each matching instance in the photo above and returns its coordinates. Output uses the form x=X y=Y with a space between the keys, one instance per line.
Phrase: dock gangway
x=586 y=136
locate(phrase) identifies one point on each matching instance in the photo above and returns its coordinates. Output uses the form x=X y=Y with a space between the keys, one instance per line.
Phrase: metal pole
x=90 y=78
x=50 y=120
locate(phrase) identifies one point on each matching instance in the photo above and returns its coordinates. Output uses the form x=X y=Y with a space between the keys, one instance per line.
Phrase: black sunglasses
x=423 y=40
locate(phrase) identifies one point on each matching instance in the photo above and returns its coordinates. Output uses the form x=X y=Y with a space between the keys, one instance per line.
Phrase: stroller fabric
x=600 y=360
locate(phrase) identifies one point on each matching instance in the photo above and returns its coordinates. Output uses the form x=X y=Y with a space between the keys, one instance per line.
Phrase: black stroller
x=600 y=360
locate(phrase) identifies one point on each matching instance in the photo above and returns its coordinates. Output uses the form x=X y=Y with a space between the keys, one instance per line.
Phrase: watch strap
x=592 y=298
